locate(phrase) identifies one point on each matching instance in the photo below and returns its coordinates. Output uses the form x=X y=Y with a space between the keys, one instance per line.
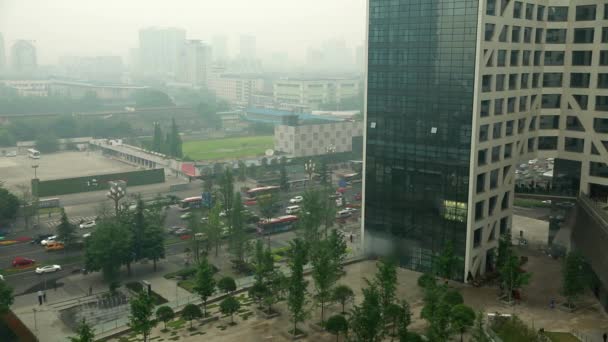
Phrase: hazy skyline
x=110 y=27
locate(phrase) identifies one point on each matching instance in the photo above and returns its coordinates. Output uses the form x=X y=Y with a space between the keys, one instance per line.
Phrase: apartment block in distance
x=314 y=92
x=460 y=92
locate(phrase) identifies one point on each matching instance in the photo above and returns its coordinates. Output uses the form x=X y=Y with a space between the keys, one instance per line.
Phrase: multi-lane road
x=84 y=207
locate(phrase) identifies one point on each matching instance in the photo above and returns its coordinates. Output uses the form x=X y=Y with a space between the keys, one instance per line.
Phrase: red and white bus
x=261 y=192
x=277 y=224
x=190 y=203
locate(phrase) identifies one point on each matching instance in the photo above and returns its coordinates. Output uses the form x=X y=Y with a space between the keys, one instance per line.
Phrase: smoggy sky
x=110 y=27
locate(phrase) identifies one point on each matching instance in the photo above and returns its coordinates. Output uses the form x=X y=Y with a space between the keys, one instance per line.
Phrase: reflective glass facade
x=421 y=72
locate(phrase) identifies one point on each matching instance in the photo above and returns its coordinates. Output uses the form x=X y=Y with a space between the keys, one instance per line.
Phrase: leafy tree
x=84 y=333
x=366 y=318
x=478 y=333
x=462 y=318
x=47 y=143
x=6 y=297
x=386 y=282
x=343 y=294
x=264 y=163
x=165 y=314
x=227 y=189
x=140 y=319
x=283 y=180
x=196 y=227
x=242 y=171
x=191 y=312
x=392 y=314
x=66 y=231
x=512 y=277
x=328 y=212
x=574 y=277
x=446 y=262
x=268 y=208
x=324 y=173
x=152 y=98
x=153 y=245
x=9 y=205
x=238 y=238
x=157 y=139
x=338 y=249
x=252 y=170
x=27 y=201
x=324 y=274
x=229 y=306
x=214 y=228
x=257 y=291
x=297 y=289
x=175 y=141
x=227 y=284
x=453 y=297
x=404 y=320
x=505 y=250
x=311 y=217
x=337 y=325
x=427 y=280
x=108 y=249
x=205 y=284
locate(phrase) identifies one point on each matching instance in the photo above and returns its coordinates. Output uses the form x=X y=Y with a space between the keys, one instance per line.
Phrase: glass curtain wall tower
x=459 y=92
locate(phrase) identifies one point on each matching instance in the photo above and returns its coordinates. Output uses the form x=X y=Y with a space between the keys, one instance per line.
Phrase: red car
x=21 y=261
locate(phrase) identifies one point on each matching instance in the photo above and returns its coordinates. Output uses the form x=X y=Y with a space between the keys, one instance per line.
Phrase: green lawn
x=227 y=148
x=561 y=337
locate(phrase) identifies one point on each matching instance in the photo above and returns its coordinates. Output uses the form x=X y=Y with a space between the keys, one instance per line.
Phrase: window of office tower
x=418 y=143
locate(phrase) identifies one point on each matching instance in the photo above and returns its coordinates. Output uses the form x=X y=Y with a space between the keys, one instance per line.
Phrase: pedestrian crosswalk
x=73 y=220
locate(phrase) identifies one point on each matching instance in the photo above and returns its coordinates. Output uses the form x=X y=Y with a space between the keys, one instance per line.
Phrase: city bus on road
x=190 y=203
x=277 y=224
x=32 y=153
x=262 y=192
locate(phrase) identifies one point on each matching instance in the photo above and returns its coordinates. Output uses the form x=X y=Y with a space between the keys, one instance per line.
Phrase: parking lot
x=18 y=170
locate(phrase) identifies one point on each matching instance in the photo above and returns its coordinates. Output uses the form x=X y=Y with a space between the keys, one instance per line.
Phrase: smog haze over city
x=314 y=170
x=89 y=28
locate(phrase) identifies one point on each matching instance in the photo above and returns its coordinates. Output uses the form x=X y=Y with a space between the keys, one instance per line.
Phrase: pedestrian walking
x=90 y=290
x=39 y=297
x=552 y=304
x=44 y=296
x=351 y=238
x=605 y=337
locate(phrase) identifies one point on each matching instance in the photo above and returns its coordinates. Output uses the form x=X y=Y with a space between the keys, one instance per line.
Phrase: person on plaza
x=552 y=304
x=44 y=296
x=39 y=297
x=605 y=337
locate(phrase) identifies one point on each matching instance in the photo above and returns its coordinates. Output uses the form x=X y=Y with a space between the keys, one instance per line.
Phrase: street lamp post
x=35 y=167
x=309 y=167
x=116 y=193
x=330 y=150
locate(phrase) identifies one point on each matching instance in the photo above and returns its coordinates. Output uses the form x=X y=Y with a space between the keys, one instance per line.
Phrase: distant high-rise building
x=2 y=54
x=197 y=63
x=247 y=47
x=219 y=45
x=23 y=56
x=160 y=50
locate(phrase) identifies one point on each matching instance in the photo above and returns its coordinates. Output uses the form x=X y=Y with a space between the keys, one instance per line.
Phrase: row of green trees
x=66 y=126
x=126 y=238
x=169 y=144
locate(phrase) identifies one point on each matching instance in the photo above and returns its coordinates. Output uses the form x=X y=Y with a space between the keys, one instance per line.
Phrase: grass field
x=227 y=148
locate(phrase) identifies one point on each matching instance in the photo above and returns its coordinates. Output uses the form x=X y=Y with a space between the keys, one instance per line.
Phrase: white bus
x=32 y=153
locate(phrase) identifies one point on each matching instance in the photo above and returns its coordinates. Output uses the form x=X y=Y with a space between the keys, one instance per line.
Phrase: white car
x=1 y=277
x=352 y=210
x=48 y=240
x=296 y=199
x=87 y=235
x=343 y=214
x=88 y=224
x=48 y=269
x=11 y=154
